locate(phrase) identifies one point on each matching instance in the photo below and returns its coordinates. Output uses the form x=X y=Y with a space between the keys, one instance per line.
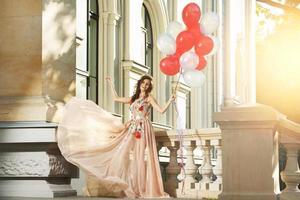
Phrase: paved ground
x=56 y=198
x=76 y=198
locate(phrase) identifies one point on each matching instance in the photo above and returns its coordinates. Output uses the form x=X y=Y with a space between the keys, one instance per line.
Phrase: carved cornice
x=130 y=65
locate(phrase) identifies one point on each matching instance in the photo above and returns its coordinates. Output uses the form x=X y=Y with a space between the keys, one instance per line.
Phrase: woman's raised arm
x=117 y=98
x=157 y=107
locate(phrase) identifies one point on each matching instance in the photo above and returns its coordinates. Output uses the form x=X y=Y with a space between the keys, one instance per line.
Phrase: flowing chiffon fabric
x=116 y=163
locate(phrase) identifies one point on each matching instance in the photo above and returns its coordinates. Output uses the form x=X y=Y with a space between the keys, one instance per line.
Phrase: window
x=147 y=29
x=148 y=43
x=87 y=49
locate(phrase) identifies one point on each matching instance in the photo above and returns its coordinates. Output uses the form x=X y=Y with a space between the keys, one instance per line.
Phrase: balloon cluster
x=186 y=50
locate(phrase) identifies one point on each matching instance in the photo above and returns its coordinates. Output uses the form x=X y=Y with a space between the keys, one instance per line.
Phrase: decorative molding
x=130 y=65
x=34 y=166
x=110 y=18
x=23 y=167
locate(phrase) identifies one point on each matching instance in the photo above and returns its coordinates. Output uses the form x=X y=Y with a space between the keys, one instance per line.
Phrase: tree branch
x=282 y=6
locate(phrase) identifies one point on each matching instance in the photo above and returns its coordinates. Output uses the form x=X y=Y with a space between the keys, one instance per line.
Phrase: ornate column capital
x=110 y=18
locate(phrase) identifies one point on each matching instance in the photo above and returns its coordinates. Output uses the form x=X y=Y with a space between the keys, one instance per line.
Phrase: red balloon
x=191 y=14
x=184 y=42
x=170 y=65
x=196 y=31
x=202 y=63
x=204 y=45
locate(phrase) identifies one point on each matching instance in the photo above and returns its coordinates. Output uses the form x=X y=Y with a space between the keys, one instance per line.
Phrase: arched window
x=148 y=43
x=147 y=28
x=93 y=50
x=87 y=17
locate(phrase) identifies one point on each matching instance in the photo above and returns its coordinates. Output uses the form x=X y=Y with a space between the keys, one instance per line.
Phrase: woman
x=119 y=160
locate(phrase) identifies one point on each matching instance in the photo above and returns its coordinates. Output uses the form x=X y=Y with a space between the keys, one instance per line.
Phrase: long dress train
x=116 y=162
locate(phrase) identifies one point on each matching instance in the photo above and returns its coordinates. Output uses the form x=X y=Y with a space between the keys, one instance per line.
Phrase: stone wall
x=37 y=58
x=21 y=48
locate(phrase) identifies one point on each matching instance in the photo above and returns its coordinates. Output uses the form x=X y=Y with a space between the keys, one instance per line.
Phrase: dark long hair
x=138 y=89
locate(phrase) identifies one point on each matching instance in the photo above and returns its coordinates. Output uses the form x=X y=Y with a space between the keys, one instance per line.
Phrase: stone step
x=31 y=164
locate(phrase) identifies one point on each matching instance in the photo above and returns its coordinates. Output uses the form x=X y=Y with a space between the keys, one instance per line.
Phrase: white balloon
x=174 y=28
x=216 y=45
x=166 y=44
x=209 y=22
x=194 y=78
x=189 y=60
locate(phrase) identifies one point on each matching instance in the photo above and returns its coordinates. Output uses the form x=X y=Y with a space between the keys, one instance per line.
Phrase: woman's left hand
x=173 y=97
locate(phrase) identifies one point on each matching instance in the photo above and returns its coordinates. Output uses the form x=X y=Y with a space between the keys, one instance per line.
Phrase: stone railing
x=251 y=136
x=202 y=155
x=289 y=137
x=248 y=151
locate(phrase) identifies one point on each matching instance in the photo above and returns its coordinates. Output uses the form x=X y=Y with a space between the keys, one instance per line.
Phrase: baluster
x=206 y=167
x=291 y=174
x=159 y=145
x=172 y=171
x=205 y=170
x=217 y=169
x=187 y=187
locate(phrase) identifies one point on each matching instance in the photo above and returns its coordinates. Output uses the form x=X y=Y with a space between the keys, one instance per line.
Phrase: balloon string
x=180 y=138
x=177 y=81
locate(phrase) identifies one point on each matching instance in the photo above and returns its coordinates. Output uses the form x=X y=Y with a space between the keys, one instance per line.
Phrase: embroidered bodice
x=140 y=109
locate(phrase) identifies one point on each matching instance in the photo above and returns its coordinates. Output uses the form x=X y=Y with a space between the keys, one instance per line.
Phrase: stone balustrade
x=251 y=135
x=201 y=176
x=241 y=164
x=289 y=133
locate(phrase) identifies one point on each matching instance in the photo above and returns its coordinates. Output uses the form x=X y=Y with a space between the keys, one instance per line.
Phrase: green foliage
x=268 y=19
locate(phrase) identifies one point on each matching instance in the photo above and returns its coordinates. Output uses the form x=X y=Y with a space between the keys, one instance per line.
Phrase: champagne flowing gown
x=115 y=161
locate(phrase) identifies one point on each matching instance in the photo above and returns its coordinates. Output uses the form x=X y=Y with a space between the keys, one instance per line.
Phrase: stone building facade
x=52 y=50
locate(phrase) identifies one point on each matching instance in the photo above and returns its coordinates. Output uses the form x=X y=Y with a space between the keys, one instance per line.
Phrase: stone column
x=40 y=78
x=21 y=62
x=110 y=22
x=250 y=152
x=228 y=66
x=58 y=54
x=250 y=9
x=219 y=58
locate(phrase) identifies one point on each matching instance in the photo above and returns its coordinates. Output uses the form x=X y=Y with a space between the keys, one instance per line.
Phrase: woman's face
x=145 y=85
